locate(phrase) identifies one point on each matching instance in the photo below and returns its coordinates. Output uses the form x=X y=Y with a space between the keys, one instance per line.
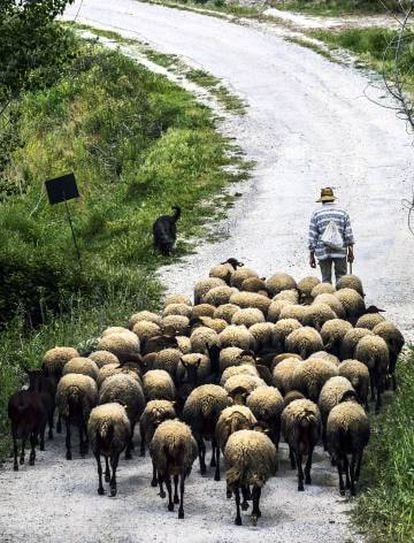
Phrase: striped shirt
x=319 y=221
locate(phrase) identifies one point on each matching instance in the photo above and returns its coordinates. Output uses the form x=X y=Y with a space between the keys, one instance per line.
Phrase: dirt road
x=308 y=125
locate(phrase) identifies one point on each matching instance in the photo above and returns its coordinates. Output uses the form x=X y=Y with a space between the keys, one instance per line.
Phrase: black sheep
x=165 y=232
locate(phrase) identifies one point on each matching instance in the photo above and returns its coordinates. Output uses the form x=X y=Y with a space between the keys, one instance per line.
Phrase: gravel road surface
x=308 y=125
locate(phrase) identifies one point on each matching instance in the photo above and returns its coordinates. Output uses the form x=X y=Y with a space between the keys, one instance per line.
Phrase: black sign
x=62 y=188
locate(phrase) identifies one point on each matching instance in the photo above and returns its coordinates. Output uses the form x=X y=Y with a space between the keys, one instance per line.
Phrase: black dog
x=164 y=230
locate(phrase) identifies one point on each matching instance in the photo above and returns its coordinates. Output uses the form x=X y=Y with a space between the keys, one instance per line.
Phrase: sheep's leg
x=15 y=449
x=372 y=383
x=380 y=388
x=256 y=513
x=154 y=481
x=352 y=473
x=169 y=489
x=181 y=508
x=22 y=452
x=98 y=461
x=176 y=498
x=292 y=459
x=308 y=467
x=68 y=444
x=341 y=480
x=59 y=424
x=324 y=441
x=246 y=496
x=107 y=471
x=114 y=465
x=217 y=472
x=213 y=455
x=42 y=437
x=50 y=423
x=238 y=520
x=202 y=455
x=142 y=449
x=228 y=492
x=33 y=441
x=346 y=465
x=132 y=436
x=130 y=445
x=358 y=466
x=81 y=441
x=300 y=471
x=160 y=482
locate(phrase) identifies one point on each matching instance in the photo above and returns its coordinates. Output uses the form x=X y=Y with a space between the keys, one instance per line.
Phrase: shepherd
x=331 y=239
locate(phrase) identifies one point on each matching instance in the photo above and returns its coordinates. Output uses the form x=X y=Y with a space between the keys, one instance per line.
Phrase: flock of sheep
x=249 y=360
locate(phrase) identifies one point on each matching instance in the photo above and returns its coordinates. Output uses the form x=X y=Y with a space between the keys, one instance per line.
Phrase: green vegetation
x=314 y=47
x=331 y=8
x=218 y=8
x=385 y=510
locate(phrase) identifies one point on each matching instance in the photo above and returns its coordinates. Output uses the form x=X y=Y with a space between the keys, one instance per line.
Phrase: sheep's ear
x=185 y=364
x=198 y=362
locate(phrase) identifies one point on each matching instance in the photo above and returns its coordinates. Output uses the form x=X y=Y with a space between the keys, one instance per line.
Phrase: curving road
x=308 y=125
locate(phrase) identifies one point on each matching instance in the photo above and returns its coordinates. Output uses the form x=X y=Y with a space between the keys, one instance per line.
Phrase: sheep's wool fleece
x=265 y=402
x=205 y=400
x=124 y=346
x=332 y=392
x=125 y=389
x=311 y=375
x=85 y=366
x=348 y=417
x=76 y=384
x=233 y=419
x=105 y=416
x=103 y=358
x=237 y=370
x=158 y=385
x=295 y=414
x=243 y=380
x=144 y=316
x=373 y=351
x=236 y=336
x=369 y=321
x=202 y=336
x=54 y=359
x=250 y=457
x=306 y=284
x=173 y=447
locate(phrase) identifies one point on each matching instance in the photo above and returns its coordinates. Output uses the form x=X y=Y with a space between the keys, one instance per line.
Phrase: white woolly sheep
x=158 y=385
x=173 y=451
x=112 y=369
x=178 y=324
x=115 y=330
x=144 y=316
x=76 y=395
x=310 y=376
x=200 y=361
x=55 y=359
x=201 y=411
x=333 y=333
x=283 y=356
x=322 y=288
x=203 y=336
x=177 y=299
x=357 y=374
x=124 y=389
x=203 y=310
x=294 y=311
x=350 y=281
x=155 y=412
x=280 y=281
x=266 y=403
x=395 y=341
x=290 y=397
x=254 y=284
x=304 y=341
x=204 y=285
x=82 y=365
x=248 y=317
x=305 y=287
x=291 y=295
x=146 y=330
x=225 y=270
x=369 y=320
x=333 y=302
x=218 y=325
x=327 y=356
x=263 y=333
x=374 y=353
x=301 y=426
x=225 y=312
x=275 y=308
x=102 y=358
x=317 y=314
x=347 y=432
x=251 y=459
x=281 y=331
x=124 y=346
x=168 y=360
x=218 y=295
x=158 y=343
x=236 y=336
x=331 y=394
x=229 y=356
x=239 y=386
x=239 y=275
x=251 y=299
x=283 y=374
x=237 y=370
x=109 y=433
x=184 y=344
x=350 y=341
x=352 y=302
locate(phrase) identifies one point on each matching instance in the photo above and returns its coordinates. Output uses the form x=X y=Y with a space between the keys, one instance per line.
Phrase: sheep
x=333 y=302
x=348 y=432
x=76 y=396
x=283 y=374
x=310 y=376
x=218 y=325
x=350 y=281
x=124 y=346
x=236 y=336
x=248 y=317
x=203 y=310
x=254 y=284
x=317 y=314
x=357 y=374
x=184 y=344
x=291 y=295
x=279 y=282
x=352 y=302
x=266 y=404
x=168 y=360
x=177 y=299
x=331 y=394
x=263 y=333
x=115 y=330
x=373 y=352
x=237 y=370
x=158 y=343
x=350 y=341
x=203 y=336
x=251 y=459
x=291 y=396
x=275 y=308
x=229 y=356
x=164 y=230
x=173 y=450
x=124 y=389
x=282 y=331
x=232 y=419
x=333 y=333
x=112 y=369
x=283 y=356
x=28 y=418
x=239 y=275
x=109 y=432
x=144 y=316
x=327 y=356
x=294 y=311
x=301 y=427
x=304 y=341
x=103 y=358
x=158 y=385
x=251 y=299
x=218 y=295
x=201 y=411
x=204 y=285
x=200 y=361
x=305 y=287
x=395 y=341
x=45 y=386
x=225 y=270
x=86 y=366
x=225 y=312
x=54 y=360
x=322 y=288
x=146 y=330
x=214 y=356
x=239 y=386
x=178 y=324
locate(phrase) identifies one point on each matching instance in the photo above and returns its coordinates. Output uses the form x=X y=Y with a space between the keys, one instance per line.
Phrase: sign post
x=62 y=189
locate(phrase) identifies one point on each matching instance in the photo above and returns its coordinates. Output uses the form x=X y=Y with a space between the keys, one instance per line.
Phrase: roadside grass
x=138 y=144
x=314 y=47
x=217 y=7
x=336 y=8
x=385 y=510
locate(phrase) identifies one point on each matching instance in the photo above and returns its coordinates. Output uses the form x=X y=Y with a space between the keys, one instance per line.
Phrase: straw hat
x=327 y=195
